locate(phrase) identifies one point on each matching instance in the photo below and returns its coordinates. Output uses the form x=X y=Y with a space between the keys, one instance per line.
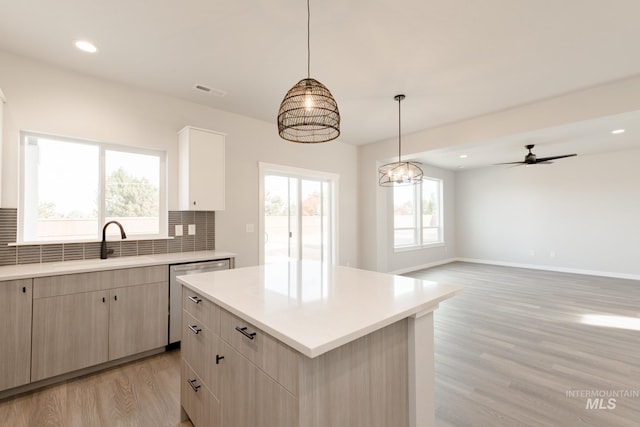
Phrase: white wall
x=580 y=213
x=52 y=100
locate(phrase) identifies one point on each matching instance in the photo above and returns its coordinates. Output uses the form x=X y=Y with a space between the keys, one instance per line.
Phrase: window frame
x=419 y=227
x=103 y=147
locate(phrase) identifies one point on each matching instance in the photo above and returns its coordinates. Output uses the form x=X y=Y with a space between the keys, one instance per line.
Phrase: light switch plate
x=192 y=229
x=178 y=230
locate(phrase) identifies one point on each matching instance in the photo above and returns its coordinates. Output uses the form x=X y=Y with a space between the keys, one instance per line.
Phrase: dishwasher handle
x=200 y=266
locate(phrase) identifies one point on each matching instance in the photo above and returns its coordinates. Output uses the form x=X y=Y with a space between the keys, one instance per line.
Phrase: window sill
x=418 y=247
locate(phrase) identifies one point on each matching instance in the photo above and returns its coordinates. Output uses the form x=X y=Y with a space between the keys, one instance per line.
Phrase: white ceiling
x=581 y=138
x=453 y=59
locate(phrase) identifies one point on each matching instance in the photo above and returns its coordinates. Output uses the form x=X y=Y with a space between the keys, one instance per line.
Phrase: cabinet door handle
x=218 y=359
x=104 y=299
x=244 y=332
x=194 y=329
x=193 y=385
x=195 y=299
x=115 y=297
x=24 y=289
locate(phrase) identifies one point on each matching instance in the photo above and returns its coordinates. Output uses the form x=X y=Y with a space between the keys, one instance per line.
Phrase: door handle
x=193 y=385
x=194 y=329
x=244 y=332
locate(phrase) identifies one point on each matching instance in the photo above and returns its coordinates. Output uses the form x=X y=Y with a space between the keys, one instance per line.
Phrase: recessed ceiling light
x=463 y=156
x=460 y=167
x=617 y=131
x=86 y=46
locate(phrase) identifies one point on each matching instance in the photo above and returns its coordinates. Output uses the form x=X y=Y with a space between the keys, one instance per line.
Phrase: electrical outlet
x=249 y=228
x=179 y=230
x=192 y=229
x=552 y=254
x=532 y=252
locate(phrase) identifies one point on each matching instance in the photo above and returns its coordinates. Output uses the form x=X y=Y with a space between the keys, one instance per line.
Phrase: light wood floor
x=512 y=344
x=144 y=393
x=507 y=351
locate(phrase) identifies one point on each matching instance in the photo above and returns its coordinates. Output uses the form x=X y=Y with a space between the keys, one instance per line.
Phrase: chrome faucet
x=103 y=247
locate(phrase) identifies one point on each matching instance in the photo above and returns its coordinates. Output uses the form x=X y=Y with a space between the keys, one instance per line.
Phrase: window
x=297 y=214
x=417 y=214
x=69 y=188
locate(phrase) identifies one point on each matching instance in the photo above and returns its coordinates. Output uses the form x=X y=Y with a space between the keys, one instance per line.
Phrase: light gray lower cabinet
x=234 y=374
x=233 y=379
x=69 y=333
x=15 y=332
x=82 y=320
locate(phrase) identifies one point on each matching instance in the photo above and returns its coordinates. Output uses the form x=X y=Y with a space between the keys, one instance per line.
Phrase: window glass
x=417 y=214
x=61 y=190
x=132 y=191
x=404 y=213
x=70 y=188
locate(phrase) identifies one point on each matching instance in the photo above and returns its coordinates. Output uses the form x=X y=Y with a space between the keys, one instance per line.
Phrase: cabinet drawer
x=278 y=360
x=66 y=284
x=198 y=402
x=203 y=350
x=202 y=309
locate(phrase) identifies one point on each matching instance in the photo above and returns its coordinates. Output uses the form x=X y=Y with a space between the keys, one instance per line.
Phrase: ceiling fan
x=532 y=159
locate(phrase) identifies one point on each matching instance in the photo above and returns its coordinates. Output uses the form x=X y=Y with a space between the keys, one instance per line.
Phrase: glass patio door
x=297 y=218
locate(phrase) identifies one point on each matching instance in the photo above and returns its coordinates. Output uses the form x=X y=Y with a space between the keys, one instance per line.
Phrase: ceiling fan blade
x=545 y=159
x=510 y=163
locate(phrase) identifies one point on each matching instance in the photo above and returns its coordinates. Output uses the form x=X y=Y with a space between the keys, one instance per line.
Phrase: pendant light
x=399 y=173
x=308 y=113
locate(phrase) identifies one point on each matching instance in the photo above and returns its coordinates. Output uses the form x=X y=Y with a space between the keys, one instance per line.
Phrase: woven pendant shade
x=399 y=173
x=308 y=113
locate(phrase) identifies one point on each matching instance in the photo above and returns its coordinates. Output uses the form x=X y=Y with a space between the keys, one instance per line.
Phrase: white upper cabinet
x=201 y=170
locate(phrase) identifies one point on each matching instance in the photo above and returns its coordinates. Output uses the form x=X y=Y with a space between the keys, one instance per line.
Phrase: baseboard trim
x=423 y=266
x=551 y=268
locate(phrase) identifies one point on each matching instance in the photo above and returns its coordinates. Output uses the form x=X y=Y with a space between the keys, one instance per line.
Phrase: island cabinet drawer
x=202 y=309
x=200 y=405
x=276 y=359
x=203 y=351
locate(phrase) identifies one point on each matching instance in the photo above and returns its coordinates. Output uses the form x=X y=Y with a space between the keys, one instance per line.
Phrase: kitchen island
x=308 y=344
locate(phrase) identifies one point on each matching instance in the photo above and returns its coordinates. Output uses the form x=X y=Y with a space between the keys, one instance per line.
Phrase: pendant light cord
x=308 y=40
x=399 y=130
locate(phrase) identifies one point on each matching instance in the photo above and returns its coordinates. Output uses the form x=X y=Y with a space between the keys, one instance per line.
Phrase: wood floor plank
x=144 y=393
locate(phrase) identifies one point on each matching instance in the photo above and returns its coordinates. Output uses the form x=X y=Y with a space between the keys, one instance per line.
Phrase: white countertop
x=25 y=271
x=314 y=307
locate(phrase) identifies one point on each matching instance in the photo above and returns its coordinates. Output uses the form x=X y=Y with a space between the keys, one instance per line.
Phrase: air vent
x=210 y=91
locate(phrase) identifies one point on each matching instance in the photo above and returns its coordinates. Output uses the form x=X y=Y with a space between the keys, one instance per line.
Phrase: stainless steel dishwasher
x=175 y=291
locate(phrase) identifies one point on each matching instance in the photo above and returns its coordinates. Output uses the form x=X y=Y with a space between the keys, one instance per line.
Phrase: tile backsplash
x=203 y=239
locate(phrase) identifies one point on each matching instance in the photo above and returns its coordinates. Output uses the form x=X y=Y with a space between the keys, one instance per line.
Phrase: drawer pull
x=195 y=299
x=218 y=359
x=194 y=329
x=244 y=332
x=193 y=385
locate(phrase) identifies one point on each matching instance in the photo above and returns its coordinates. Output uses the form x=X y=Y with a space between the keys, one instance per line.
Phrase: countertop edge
x=314 y=352
x=29 y=271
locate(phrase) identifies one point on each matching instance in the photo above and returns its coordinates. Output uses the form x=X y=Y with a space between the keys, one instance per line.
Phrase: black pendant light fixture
x=399 y=173
x=308 y=113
